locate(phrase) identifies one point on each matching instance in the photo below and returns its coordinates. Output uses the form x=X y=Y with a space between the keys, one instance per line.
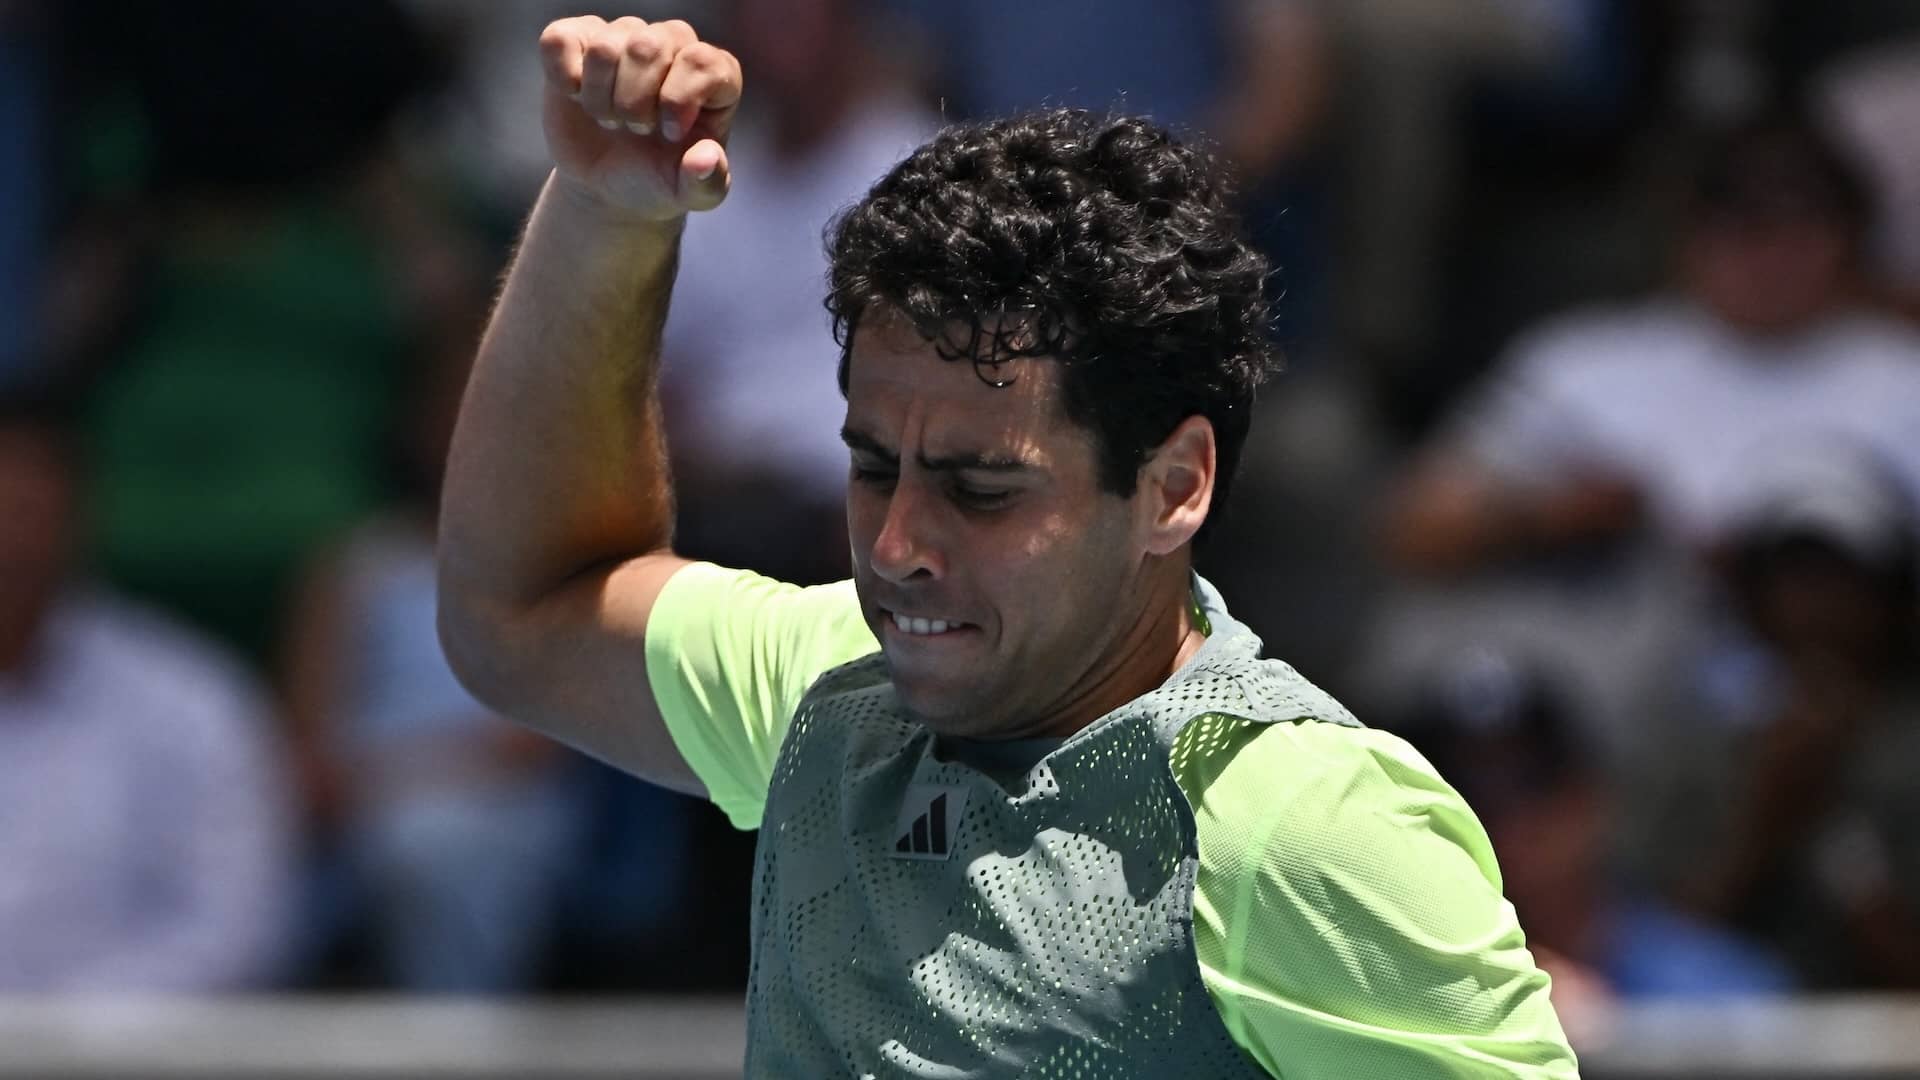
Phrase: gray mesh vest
x=913 y=917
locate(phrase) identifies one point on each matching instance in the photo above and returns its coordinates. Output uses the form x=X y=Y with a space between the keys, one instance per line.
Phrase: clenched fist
x=637 y=114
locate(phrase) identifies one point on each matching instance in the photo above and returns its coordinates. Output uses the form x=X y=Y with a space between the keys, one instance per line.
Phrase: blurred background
x=1593 y=471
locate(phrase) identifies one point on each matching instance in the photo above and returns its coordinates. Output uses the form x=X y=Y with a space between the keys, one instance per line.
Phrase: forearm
x=557 y=464
x=1453 y=516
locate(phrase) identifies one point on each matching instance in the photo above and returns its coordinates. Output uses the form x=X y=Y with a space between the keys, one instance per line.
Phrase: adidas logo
x=929 y=820
x=928 y=836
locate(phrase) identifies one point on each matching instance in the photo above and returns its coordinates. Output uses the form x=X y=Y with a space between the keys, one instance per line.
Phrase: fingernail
x=706 y=172
x=670 y=129
x=639 y=127
x=610 y=125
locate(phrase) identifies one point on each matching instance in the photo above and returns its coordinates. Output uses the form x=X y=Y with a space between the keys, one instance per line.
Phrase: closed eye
x=878 y=479
x=975 y=498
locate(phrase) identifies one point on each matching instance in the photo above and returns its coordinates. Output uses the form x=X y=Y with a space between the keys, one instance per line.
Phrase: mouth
x=923 y=626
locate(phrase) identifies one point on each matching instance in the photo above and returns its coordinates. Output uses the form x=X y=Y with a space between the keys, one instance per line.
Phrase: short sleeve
x=730 y=653
x=1348 y=915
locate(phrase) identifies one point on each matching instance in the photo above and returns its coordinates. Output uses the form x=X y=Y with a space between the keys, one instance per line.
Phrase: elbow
x=476 y=645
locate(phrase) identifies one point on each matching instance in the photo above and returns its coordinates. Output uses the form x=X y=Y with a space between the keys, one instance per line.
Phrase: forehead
x=900 y=387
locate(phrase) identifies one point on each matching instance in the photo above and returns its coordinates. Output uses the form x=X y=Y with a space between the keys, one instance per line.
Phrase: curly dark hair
x=1104 y=243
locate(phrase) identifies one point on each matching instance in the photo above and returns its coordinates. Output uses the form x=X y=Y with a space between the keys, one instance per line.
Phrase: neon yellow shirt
x=1347 y=912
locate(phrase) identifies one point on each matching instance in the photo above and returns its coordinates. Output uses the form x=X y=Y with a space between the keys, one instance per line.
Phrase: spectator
x=1475 y=142
x=1608 y=421
x=1872 y=101
x=456 y=832
x=750 y=396
x=1500 y=726
x=144 y=843
x=1781 y=793
x=285 y=269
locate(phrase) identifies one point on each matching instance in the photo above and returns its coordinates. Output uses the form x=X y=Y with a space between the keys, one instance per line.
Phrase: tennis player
x=1030 y=804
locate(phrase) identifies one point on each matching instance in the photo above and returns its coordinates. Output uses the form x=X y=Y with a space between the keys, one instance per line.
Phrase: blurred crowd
x=1593 y=472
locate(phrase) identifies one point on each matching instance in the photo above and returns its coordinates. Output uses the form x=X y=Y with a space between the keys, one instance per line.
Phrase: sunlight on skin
x=980 y=506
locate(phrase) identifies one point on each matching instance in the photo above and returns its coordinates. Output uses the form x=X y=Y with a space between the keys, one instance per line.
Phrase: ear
x=1176 y=485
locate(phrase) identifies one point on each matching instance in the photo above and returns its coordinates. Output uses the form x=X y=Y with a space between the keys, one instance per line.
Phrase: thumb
x=704 y=177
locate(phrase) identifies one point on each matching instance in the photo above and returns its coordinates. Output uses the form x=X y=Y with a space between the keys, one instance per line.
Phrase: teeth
x=911 y=625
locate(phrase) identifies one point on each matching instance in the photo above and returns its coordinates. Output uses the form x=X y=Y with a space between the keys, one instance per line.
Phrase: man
x=145 y=846
x=1646 y=416
x=1565 y=506
x=1781 y=797
x=1062 y=822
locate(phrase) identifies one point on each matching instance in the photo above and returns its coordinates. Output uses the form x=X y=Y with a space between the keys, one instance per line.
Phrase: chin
x=939 y=709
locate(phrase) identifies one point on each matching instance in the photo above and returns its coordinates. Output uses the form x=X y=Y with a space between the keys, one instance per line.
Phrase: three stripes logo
x=929 y=820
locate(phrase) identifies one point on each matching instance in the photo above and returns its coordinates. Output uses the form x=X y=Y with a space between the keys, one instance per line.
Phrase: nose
x=904 y=550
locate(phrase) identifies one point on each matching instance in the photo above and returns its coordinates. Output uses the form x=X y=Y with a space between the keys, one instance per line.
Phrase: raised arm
x=557 y=515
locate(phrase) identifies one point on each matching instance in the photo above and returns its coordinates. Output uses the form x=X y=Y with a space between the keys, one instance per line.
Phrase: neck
x=17 y=640
x=1160 y=639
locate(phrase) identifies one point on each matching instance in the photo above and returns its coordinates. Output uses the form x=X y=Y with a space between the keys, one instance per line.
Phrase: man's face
x=37 y=506
x=1771 y=274
x=978 y=507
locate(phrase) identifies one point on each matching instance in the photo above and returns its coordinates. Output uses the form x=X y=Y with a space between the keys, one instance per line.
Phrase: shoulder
x=156 y=665
x=1310 y=760
x=1879 y=333
x=1883 y=349
x=1348 y=910
x=1328 y=828
x=1607 y=337
x=861 y=676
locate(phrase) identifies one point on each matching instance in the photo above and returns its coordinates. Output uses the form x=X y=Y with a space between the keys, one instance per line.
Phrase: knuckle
x=603 y=49
x=645 y=48
x=679 y=29
x=701 y=57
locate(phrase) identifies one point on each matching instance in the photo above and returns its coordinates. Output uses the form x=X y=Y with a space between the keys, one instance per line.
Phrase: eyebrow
x=973 y=461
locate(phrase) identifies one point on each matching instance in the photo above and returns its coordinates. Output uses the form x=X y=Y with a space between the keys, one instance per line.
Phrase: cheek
x=1059 y=566
x=863 y=523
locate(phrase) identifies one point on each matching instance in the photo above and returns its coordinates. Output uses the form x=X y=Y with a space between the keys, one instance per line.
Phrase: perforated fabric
x=1349 y=919
x=1054 y=938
